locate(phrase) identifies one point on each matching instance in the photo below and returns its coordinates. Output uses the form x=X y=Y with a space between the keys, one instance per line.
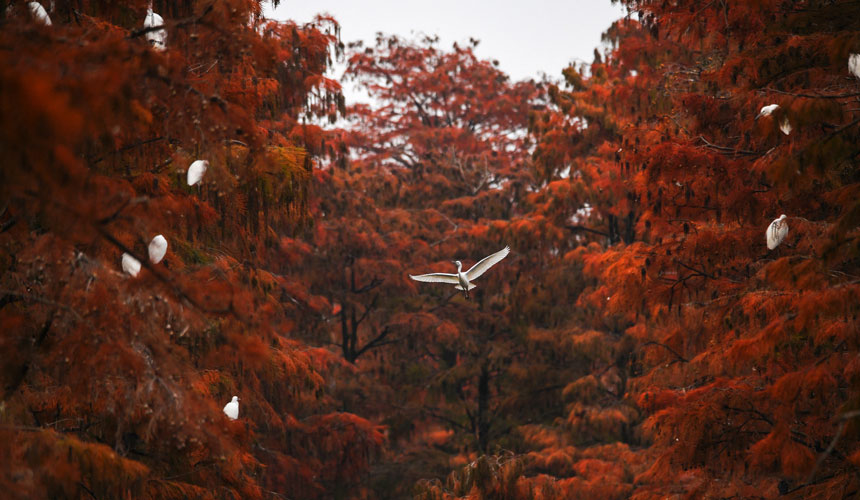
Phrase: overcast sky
x=527 y=37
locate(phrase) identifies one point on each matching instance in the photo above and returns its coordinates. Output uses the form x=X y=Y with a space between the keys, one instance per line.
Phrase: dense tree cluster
x=644 y=338
x=743 y=365
x=112 y=385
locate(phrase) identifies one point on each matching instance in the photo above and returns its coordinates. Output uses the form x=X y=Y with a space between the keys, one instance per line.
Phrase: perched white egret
x=130 y=265
x=39 y=13
x=157 y=249
x=767 y=110
x=854 y=64
x=156 y=38
x=776 y=232
x=463 y=280
x=196 y=171
x=785 y=126
x=231 y=409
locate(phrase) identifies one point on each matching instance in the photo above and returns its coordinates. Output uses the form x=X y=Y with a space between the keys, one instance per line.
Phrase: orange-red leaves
x=652 y=401
x=780 y=451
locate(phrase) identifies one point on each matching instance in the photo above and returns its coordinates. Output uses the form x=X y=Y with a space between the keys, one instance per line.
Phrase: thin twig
x=812 y=96
x=734 y=151
x=41 y=299
x=821 y=458
x=664 y=346
x=178 y=23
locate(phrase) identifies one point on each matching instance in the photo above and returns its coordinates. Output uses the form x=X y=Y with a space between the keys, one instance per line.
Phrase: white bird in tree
x=784 y=124
x=130 y=265
x=767 y=110
x=463 y=280
x=39 y=13
x=196 y=171
x=157 y=249
x=854 y=64
x=231 y=409
x=156 y=38
x=776 y=232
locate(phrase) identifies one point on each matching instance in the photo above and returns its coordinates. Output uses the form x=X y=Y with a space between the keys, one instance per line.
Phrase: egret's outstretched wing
x=486 y=263
x=437 y=278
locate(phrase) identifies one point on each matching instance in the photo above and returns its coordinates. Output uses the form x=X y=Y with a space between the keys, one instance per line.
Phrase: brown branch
x=37 y=298
x=587 y=229
x=375 y=282
x=130 y=201
x=176 y=24
x=454 y=231
x=447 y=299
x=761 y=416
x=821 y=458
x=156 y=169
x=728 y=150
x=129 y=147
x=841 y=129
x=8 y=224
x=433 y=414
x=701 y=272
x=664 y=346
x=377 y=341
x=812 y=96
x=367 y=310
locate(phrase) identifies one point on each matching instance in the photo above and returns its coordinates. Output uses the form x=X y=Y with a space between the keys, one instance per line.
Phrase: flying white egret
x=231 y=409
x=854 y=64
x=196 y=171
x=776 y=232
x=463 y=280
x=156 y=38
x=39 y=13
x=767 y=110
x=130 y=265
x=157 y=249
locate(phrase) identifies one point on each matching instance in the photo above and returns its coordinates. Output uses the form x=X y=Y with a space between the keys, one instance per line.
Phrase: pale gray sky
x=526 y=37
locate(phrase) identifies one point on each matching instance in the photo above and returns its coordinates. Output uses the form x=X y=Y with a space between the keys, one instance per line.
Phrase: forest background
x=641 y=340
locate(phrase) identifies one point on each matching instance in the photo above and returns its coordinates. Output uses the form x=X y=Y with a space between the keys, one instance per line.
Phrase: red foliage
x=640 y=341
x=113 y=385
x=740 y=353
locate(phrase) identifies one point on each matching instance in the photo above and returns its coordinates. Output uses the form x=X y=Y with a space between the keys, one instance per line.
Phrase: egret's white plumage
x=39 y=13
x=231 y=409
x=130 y=265
x=785 y=126
x=854 y=64
x=767 y=110
x=776 y=232
x=156 y=38
x=157 y=249
x=463 y=280
x=196 y=171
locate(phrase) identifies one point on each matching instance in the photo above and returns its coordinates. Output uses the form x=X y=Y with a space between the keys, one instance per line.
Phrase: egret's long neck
x=459 y=267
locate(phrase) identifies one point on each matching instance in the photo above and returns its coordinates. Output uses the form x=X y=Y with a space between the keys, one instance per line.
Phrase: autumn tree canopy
x=640 y=341
x=112 y=384
x=743 y=359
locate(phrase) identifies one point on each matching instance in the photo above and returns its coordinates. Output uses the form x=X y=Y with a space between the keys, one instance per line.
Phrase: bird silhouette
x=463 y=280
